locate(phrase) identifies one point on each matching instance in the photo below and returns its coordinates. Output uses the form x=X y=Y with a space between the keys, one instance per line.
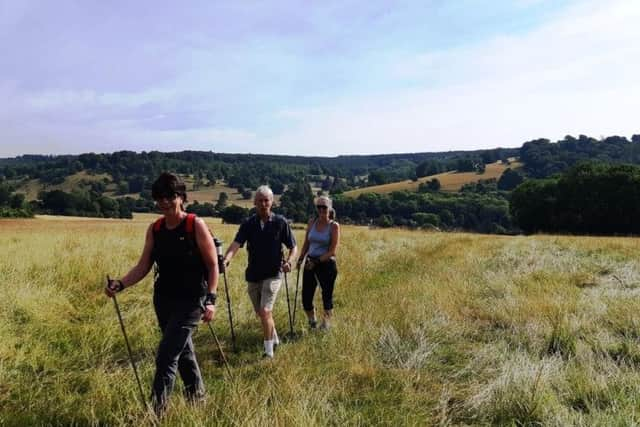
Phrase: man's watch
x=210 y=299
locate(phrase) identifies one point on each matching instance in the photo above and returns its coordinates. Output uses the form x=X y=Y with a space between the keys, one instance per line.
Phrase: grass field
x=449 y=181
x=430 y=329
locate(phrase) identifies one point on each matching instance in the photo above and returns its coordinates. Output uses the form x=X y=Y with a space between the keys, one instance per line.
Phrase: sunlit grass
x=430 y=329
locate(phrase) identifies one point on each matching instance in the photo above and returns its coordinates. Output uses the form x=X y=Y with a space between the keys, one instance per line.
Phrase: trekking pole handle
x=218 y=244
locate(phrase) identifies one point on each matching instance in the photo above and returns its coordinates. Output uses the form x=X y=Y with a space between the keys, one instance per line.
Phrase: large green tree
x=296 y=203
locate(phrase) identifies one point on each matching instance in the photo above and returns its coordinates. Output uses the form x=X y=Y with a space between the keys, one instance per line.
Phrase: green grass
x=430 y=329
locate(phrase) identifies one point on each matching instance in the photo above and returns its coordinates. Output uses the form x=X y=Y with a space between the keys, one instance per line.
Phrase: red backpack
x=191 y=233
x=191 y=219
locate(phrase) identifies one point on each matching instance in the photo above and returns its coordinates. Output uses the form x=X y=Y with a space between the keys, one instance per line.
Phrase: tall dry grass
x=430 y=329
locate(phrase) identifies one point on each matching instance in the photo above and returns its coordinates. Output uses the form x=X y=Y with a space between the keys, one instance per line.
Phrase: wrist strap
x=210 y=299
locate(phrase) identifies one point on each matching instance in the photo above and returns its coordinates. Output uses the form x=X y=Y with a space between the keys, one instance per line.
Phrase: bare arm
x=231 y=251
x=210 y=259
x=286 y=265
x=335 y=240
x=140 y=270
x=144 y=264
x=208 y=253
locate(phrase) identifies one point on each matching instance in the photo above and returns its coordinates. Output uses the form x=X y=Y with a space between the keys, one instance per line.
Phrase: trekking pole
x=126 y=340
x=295 y=298
x=286 y=286
x=224 y=359
x=222 y=270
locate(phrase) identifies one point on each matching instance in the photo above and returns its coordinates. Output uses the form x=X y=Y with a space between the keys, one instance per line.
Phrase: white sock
x=276 y=340
x=268 y=347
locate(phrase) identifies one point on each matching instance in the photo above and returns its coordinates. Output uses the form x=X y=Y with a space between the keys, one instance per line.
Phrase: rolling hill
x=449 y=181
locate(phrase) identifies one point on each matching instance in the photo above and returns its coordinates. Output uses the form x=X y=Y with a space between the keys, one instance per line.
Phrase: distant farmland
x=204 y=194
x=449 y=181
x=211 y=195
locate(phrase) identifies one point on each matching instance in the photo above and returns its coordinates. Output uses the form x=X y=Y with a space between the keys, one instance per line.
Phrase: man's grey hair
x=265 y=190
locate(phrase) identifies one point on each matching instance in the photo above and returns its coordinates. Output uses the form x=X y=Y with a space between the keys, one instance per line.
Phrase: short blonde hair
x=325 y=199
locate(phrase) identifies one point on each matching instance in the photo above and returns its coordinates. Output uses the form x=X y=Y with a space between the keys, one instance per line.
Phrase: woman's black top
x=181 y=273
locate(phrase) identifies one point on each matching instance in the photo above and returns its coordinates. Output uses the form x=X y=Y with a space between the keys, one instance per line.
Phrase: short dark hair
x=168 y=184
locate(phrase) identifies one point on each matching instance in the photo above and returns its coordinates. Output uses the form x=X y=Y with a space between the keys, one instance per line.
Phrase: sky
x=314 y=77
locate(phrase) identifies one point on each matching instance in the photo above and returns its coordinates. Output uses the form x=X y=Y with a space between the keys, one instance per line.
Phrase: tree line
x=554 y=191
x=593 y=198
x=12 y=204
x=134 y=172
x=542 y=158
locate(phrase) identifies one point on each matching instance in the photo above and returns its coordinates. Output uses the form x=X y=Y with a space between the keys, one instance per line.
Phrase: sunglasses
x=168 y=196
x=322 y=207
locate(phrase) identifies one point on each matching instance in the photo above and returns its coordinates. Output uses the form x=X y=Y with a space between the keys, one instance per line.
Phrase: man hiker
x=265 y=233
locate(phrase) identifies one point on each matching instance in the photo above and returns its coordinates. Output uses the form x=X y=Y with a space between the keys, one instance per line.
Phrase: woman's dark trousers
x=325 y=274
x=177 y=320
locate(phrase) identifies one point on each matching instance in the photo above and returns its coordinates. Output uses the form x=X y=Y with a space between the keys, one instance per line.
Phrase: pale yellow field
x=430 y=329
x=449 y=181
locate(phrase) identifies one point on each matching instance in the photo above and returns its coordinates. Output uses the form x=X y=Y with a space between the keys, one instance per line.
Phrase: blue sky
x=314 y=78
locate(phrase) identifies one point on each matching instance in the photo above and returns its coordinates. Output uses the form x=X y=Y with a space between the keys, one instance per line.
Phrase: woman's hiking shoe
x=325 y=326
x=313 y=324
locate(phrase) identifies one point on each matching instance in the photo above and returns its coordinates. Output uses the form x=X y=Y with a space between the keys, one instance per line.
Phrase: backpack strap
x=191 y=219
x=191 y=231
x=158 y=224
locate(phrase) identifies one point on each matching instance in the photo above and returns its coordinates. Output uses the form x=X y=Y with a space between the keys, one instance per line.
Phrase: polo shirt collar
x=269 y=219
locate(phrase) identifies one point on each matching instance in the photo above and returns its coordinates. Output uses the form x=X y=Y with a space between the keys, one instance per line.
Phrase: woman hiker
x=320 y=244
x=184 y=290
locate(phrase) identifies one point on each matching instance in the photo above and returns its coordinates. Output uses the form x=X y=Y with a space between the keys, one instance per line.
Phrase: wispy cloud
x=331 y=78
x=576 y=74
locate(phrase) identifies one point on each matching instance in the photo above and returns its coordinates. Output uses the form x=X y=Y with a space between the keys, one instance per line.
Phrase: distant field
x=32 y=187
x=449 y=181
x=431 y=329
x=211 y=195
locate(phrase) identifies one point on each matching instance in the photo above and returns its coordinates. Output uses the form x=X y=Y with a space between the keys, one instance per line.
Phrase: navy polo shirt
x=264 y=245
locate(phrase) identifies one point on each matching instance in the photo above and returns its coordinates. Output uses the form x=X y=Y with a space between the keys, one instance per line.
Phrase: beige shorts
x=263 y=293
